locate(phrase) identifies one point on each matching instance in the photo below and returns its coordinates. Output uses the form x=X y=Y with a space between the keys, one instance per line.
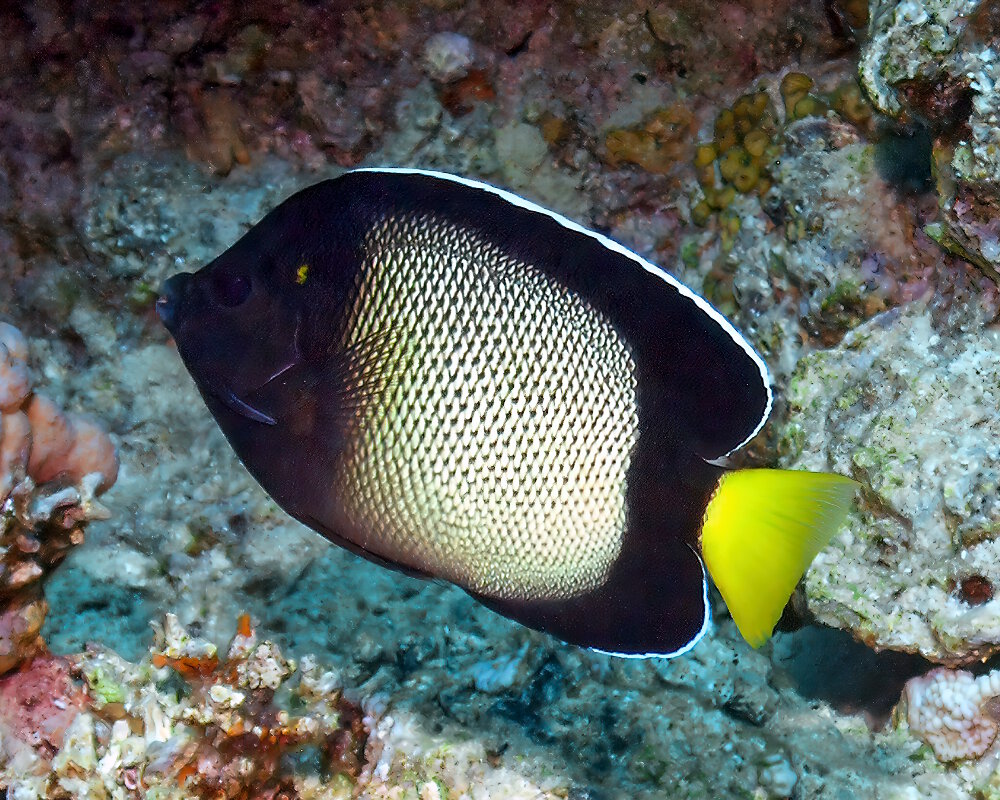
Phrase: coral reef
x=936 y=64
x=658 y=145
x=223 y=737
x=817 y=256
x=39 y=705
x=909 y=41
x=136 y=140
x=743 y=147
x=37 y=439
x=52 y=467
x=250 y=726
x=748 y=139
x=956 y=714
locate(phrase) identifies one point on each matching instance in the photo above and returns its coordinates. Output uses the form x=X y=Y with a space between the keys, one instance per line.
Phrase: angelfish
x=455 y=382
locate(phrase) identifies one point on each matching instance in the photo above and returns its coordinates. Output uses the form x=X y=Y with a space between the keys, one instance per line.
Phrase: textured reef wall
x=936 y=64
x=827 y=174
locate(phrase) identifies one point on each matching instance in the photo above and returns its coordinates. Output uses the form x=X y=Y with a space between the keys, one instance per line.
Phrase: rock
x=913 y=413
x=777 y=776
x=910 y=39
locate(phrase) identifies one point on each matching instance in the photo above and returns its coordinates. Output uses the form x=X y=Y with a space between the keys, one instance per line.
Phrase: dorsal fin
x=700 y=369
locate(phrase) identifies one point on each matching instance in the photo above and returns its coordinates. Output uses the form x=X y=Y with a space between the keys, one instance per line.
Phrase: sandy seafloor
x=135 y=143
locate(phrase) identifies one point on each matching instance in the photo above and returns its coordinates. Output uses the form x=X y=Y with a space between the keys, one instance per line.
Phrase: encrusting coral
x=52 y=466
x=954 y=712
x=661 y=142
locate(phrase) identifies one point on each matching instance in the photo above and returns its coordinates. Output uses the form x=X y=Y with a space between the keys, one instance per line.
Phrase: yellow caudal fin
x=762 y=529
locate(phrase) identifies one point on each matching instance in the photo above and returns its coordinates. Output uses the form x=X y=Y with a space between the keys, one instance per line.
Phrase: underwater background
x=827 y=173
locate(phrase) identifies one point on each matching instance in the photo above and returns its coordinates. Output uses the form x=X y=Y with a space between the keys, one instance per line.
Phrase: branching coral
x=954 y=712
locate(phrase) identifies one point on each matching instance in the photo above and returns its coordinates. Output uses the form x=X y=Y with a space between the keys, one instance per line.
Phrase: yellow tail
x=762 y=529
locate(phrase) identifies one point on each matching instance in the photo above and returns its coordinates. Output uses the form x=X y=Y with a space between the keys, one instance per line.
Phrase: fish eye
x=230 y=289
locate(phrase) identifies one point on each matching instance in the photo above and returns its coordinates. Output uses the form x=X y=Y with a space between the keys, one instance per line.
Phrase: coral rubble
x=223 y=737
x=249 y=726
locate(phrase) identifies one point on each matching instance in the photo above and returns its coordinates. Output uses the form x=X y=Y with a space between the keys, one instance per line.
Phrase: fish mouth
x=171 y=292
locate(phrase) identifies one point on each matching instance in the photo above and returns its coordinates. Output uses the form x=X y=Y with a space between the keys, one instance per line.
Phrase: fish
x=454 y=382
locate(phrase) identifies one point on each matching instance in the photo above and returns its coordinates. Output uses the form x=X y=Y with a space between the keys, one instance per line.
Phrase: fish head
x=232 y=330
x=257 y=329
x=265 y=310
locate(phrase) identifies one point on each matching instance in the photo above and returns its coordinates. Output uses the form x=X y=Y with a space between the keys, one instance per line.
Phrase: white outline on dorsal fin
x=611 y=244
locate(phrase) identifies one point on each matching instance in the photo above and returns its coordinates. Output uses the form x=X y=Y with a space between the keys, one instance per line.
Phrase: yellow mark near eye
x=301 y=274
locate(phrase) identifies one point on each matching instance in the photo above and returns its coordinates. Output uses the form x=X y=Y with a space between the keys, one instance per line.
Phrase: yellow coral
x=661 y=142
x=743 y=135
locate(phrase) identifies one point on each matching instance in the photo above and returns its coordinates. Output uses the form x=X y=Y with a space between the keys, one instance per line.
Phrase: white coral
x=264 y=668
x=948 y=710
x=448 y=56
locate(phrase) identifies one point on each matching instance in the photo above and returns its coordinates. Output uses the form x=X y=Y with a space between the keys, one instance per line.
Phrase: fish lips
x=171 y=295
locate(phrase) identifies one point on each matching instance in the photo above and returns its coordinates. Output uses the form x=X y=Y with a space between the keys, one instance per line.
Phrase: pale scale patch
x=496 y=450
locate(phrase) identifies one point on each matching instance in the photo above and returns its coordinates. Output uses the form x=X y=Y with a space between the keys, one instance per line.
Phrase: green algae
x=104 y=687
